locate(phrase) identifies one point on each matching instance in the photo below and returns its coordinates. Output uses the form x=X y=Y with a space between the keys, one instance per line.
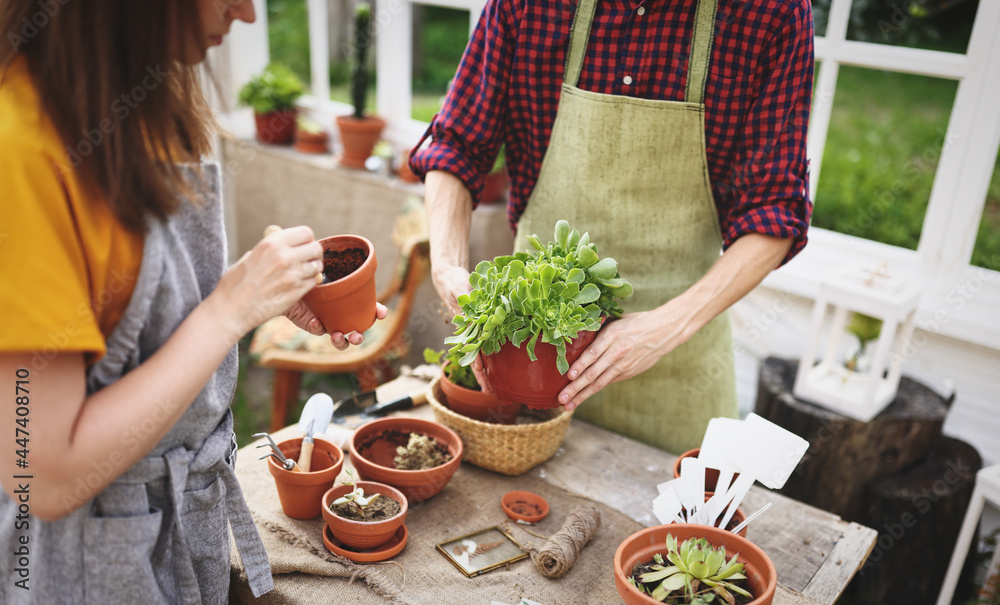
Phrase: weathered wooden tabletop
x=815 y=553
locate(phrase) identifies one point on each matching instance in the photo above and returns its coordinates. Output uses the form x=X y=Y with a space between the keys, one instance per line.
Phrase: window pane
x=987 y=251
x=821 y=8
x=884 y=142
x=439 y=39
x=288 y=35
x=930 y=24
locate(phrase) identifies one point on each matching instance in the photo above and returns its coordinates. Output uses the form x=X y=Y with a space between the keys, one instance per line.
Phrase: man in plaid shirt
x=660 y=95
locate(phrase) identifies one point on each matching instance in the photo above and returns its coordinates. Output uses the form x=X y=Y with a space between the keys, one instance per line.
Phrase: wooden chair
x=278 y=344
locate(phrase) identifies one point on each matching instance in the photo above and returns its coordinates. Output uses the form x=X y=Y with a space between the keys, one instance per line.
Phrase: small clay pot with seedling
x=364 y=514
x=345 y=301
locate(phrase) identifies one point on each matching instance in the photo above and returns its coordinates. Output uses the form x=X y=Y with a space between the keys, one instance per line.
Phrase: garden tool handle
x=305 y=455
x=272 y=229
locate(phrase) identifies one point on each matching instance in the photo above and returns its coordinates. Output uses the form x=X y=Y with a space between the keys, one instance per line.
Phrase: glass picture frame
x=482 y=551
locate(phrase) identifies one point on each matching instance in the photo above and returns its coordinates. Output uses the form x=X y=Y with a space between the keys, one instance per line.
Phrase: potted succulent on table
x=531 y=314
x=359 y=132
x=688 y=564
x=272 y=95
x=364 y=514
x=310 y=137
x=462 y=393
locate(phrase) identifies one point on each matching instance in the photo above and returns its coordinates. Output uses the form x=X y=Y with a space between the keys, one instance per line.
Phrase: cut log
x=918 y=513
x=845 y=454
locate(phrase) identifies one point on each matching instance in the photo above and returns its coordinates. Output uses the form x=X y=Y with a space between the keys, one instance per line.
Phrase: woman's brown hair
x=126 y=109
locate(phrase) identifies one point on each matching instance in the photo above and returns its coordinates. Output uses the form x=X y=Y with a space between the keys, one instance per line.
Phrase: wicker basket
x=508 y=449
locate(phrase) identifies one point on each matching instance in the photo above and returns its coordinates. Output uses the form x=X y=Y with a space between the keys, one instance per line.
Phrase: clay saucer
x=524 y=507
x=379 y=553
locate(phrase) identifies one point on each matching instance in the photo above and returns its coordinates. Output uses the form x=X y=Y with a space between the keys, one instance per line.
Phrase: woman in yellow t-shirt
x=120 y=320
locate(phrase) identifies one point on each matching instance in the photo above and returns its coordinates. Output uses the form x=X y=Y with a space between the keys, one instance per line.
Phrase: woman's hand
x=302 y=317
x=269 y=279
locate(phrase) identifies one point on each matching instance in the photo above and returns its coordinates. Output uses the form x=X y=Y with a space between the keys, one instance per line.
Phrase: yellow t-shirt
x=67 y=266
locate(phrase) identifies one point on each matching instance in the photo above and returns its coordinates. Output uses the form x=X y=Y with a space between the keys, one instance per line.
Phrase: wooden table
x=816 y=553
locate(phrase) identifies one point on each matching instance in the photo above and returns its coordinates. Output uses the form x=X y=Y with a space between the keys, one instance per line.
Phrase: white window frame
x=959 y=301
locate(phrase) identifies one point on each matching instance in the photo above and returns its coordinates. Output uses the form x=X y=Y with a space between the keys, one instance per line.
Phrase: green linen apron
x=633 y=173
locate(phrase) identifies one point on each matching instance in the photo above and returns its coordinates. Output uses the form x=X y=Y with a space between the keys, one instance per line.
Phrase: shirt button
x=627 y=80
x=641 y=11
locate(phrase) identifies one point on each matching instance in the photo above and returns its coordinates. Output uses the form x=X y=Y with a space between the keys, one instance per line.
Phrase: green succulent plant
x=274 y=89
x=698 y=574
x=866 y=329
x=357 y=496
x=549 y=294
x=453 y=370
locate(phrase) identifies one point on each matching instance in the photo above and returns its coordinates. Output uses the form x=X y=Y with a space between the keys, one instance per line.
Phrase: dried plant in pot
x=345 y=301
x=375 y=453
x=272 y=95
x=531 y=314
x=364 y=514
x=692 y=564
x=463 y=395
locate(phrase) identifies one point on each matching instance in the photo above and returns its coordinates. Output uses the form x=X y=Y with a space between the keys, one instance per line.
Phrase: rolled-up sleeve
x=467 y=134
x=768 y=185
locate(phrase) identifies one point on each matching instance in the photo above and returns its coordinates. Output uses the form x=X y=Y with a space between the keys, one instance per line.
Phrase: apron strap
x=701 y=46
x=578 y=37
x=701 y=51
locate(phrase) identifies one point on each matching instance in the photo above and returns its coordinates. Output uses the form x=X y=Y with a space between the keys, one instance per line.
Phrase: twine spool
x=560 y=552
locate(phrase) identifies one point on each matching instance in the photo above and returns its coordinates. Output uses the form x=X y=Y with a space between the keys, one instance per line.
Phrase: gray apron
x=633 y=173
x=160 y=532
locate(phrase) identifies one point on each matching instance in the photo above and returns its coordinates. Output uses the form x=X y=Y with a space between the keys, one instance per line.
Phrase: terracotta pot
x=378 y=464
x=312 y=142
x=364 y=535
x=404 y=172
x=711 y=474
x=512 y=376
x=277 y=127
x=359 y=138
x=524 y=506
x=347 y=304
x=640 y=547
x=478 y=405
x=495 y=187
x=301 y=494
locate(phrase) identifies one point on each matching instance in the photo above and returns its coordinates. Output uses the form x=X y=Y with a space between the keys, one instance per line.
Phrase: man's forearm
x=449 y=218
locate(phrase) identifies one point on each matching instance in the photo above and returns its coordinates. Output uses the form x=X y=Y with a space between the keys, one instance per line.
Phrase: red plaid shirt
x=757 y=98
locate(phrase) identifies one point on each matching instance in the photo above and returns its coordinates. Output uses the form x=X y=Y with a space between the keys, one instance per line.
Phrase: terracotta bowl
x=512 y=376
x=301 y=494
x=711 y=474
x=524 y=506
x=347 y=304
x=478 y=405
x=377 y=462
x=363 y=535
x=640 y=547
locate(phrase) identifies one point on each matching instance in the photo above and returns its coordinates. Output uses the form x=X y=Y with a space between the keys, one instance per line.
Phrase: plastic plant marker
x=720 y=437
x=667 y=506
x=734 y=497
x=770 y=451
x=752 y=516
x=693 y=476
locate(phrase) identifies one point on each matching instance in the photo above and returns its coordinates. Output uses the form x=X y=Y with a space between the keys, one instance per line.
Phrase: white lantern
x=853 y=387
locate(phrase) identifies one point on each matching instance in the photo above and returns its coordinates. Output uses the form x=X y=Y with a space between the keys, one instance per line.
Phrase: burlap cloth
x=306 y=572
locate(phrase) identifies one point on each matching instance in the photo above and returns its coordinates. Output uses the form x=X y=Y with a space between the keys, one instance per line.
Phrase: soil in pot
x=379 y=509
x=338 y=264
x=404 y=451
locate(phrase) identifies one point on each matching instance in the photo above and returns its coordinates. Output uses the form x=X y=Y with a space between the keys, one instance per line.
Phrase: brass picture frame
x=482 y=551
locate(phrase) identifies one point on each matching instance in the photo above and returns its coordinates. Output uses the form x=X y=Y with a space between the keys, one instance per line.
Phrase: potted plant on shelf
x=866 y=329
x=272 y=95
x=688 y=564
x=310 y=137
x=462 y=393
x=531 y=314
x=364 y=514
x=359 y=132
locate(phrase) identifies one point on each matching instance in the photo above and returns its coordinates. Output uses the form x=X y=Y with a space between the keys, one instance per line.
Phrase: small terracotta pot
x=404 y=172
x=359 y=137
x=478 y=405
x=512 y=376
x=417 y=486
x=495 y=187
x=362 y=535
x=301 y=494
x=711 y=474
x=640 y=547
x=277 y=127
x=348 y=304
x=524 y=506
x=312 y=142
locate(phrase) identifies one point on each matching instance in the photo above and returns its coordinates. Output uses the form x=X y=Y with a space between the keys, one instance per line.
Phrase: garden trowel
x=315 y=419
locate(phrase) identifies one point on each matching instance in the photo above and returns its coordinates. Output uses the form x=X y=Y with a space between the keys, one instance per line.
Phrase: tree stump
x=845 y=454
x=918 y=513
